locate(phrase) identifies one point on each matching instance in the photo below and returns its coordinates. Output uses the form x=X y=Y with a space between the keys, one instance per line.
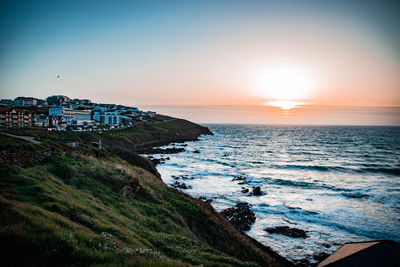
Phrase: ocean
x=338 y=183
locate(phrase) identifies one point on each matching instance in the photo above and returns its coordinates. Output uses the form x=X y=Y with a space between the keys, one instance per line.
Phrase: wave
x=385 y=170
x=349 y=193
x=278 y=181
x=301 y=211
x=311 y=167
x=355 y=195
x=393 y=171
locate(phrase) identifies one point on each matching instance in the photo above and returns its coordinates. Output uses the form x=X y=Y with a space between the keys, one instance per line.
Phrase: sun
x=285 y=85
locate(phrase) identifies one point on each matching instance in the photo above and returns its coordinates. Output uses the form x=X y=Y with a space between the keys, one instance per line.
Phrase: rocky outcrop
x=157 y=161
x=239 y=178
x=256 y=191
x=288 y=231
x=189 y=132
x=242 y=180
x=183 y=177
x=132 y=189
x=320 y=256
x=205 y=200
x=241 y=216
x=157 y=150
x=180 y=185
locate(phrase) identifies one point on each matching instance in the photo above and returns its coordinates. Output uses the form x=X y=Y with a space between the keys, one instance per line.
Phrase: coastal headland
x=90 y=198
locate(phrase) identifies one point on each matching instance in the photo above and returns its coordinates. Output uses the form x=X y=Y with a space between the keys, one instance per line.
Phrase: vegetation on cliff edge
x=85 y=206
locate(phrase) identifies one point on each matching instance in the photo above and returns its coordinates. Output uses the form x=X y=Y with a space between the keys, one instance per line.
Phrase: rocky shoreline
x=241 y=216
x=153 y=147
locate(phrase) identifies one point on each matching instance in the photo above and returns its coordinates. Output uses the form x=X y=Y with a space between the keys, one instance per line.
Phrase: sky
x=278 y=62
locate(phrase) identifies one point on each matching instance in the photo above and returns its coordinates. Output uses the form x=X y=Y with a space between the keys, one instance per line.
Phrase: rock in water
x=157 y=150
x=256 y=191
x=320 y=256
x=239 y=178
x=205 y=200
x=183 y=177
x=180 y=185
x=286 y=230
x=241 y=216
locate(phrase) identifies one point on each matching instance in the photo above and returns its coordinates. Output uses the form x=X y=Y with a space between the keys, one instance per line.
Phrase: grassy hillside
x=133 y=138
x=70 y=209
x=84 y=206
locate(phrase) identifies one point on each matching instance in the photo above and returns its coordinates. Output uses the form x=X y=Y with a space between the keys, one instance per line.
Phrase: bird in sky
x=58 y=76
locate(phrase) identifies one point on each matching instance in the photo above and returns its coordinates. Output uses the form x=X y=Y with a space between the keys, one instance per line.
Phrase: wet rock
x=243 y=182
x=289 y=221
x=293 y=208
x=157 y=161
x=302 y=262
x=241 y=216
x=320 y=256
x=288 y=231
x=157 y=150
x=256 y=191
x=239 y=178
x=326 y=245
x=245 y=190
x=181 y=185
x=183 y=177
x=196 y=151
x=205 y=200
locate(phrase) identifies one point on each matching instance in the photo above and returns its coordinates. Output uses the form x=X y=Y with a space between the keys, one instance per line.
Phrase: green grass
x=11 y=143
x=125 y=138
x=69 y=210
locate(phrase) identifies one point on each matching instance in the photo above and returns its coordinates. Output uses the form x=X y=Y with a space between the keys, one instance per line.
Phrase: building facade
x=108 y=117
x=57 y=100
x=71 y=116
x=25 y=101
x=12 y=117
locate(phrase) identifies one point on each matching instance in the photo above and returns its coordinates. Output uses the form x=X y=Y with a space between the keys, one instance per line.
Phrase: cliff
x=86 y=206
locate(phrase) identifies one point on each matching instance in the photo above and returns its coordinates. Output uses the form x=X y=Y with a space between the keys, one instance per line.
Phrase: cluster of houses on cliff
x=61 y=113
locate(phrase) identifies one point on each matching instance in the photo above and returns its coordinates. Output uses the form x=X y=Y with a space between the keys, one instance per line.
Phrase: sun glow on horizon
x=286 y=85
x=284 y=104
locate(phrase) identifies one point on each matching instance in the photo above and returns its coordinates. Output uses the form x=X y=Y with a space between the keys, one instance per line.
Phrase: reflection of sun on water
x=285 y=85
x=284 y=104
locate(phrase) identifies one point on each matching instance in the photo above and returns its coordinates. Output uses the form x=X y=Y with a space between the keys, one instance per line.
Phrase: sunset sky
x=294 y=62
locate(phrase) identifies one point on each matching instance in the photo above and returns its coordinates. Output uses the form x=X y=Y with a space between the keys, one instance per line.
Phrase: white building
x=82 y=117
x=71 y=116
x=108 y=117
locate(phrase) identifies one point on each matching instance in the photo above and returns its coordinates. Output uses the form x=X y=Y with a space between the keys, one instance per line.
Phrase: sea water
x=340 y=184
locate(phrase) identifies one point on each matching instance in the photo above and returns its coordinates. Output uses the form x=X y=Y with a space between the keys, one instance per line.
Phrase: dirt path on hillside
x=26 y=138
